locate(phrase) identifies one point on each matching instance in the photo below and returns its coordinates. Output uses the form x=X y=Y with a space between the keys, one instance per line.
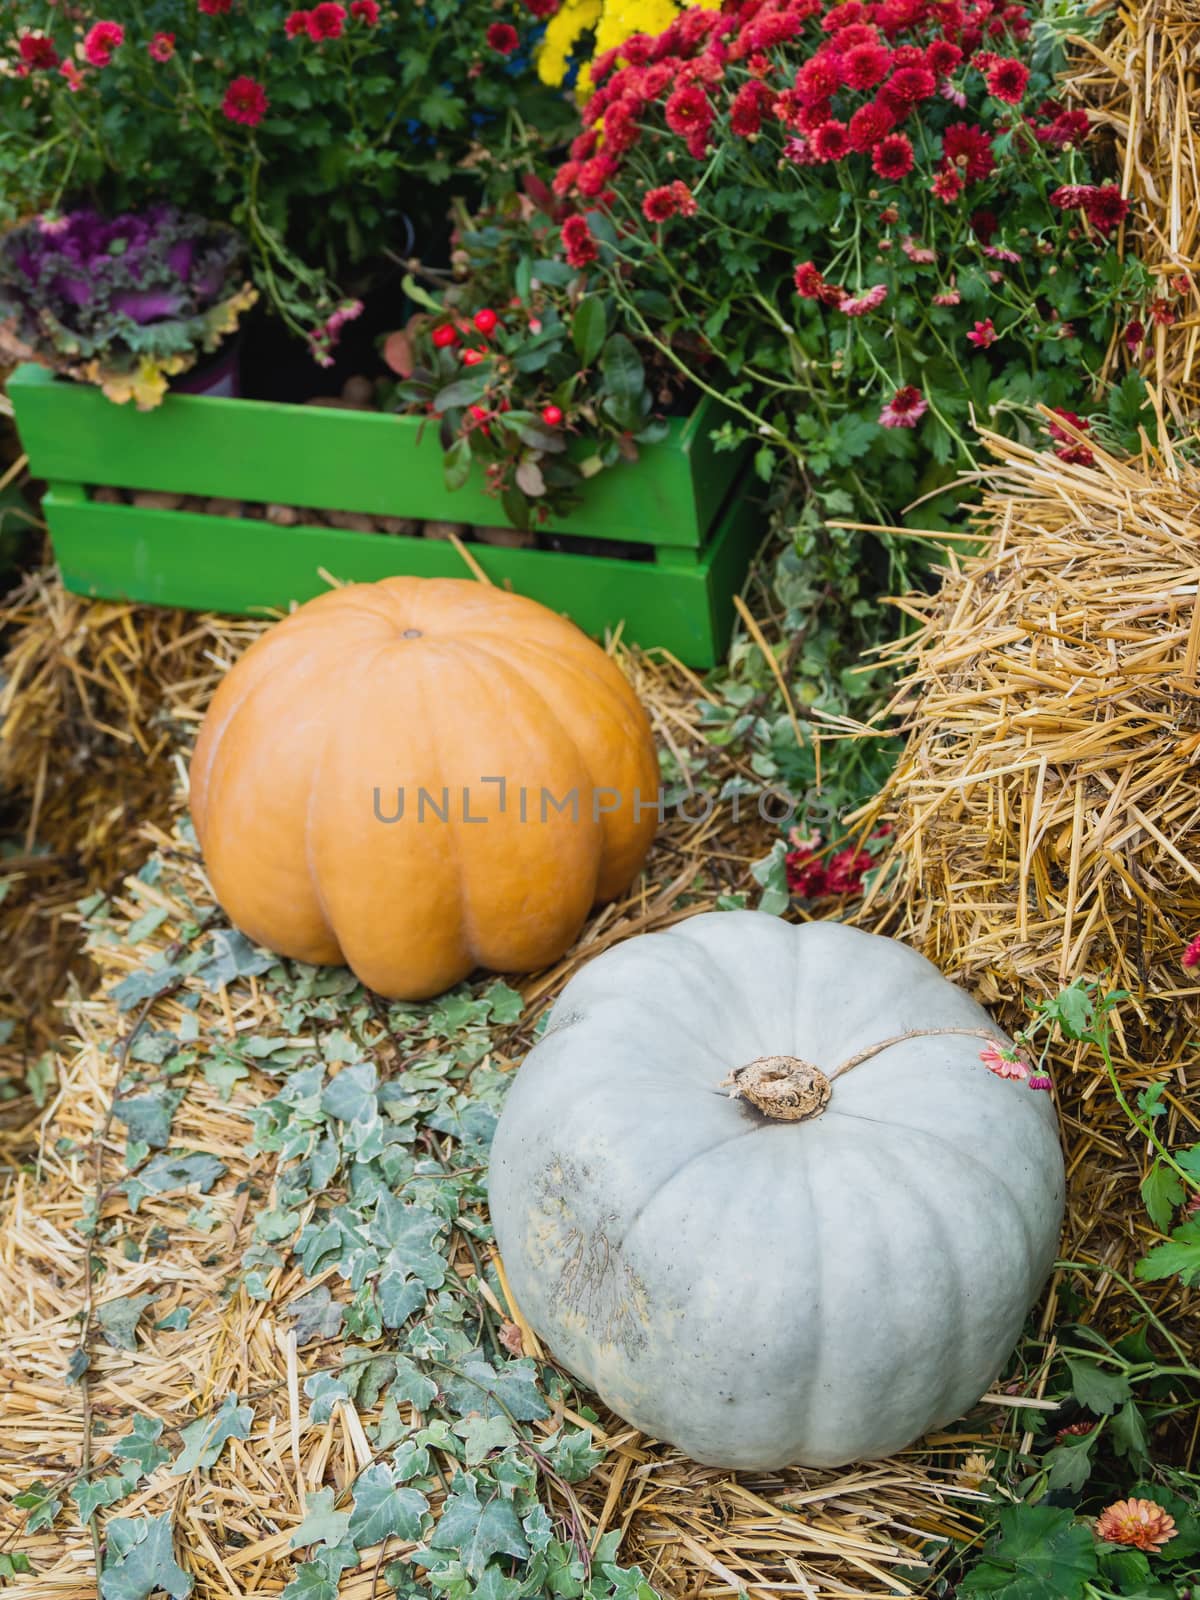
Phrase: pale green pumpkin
x=757 y=1291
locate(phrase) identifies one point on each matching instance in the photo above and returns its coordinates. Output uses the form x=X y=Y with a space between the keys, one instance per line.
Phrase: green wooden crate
x=684 y=503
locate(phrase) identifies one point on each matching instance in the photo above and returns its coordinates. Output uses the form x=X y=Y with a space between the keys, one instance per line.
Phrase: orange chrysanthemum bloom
x=1140 y=1523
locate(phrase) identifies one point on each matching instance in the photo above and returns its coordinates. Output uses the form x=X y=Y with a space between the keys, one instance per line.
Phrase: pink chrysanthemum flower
x=860 y=304
x=1041 y=1082
x=1004 y=1063
x=1140 y=1523
x=1191 y=956
x=905 y=409
x=921 y=254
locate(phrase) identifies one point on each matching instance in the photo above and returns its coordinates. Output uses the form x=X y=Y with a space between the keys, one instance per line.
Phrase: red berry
x=445 y=336
x=485 y=320
x=552 y=415
x=472 y=358
x=478 y=412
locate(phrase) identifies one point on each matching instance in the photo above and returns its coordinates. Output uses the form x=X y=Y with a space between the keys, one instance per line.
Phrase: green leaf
x=89 y=1494
x=172 y=1171
x=233 y=957
x=139 y=987
x=1100 y=1391
x=1039 y=1553
x=148 y=1116
x=1069 y=1465
x=140 y=1446
x=410 y=1232
x=1162 y=1191
x=204 y=1439
x=317 y=1314
x=1129 y=1433
x=476 y=1531
x=140 y=1558
x=1179 y=1256
x=456 y=464
x=462 y=392
x=118 y=1319
x=40 y=1504
x=311 y=1582
x=382 y=1510
x=513 y=1391
x=622 y=370
x=574 y=1457
x=1072 y=1009
x=482 y=1435
x=588 y=327
x=322 y=1524
x=351 y=1097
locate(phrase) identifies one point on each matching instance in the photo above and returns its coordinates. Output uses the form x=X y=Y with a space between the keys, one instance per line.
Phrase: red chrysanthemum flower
x=942 y=58
x=855 y=34
x=214 y=8
x=843 y=16
x=595 y=175
x=1007 y=80
x=1133 y=336
x=947 y=186
x=685 y=200
x=659 y=205
x=868 y=125
x=966 y=146
x=1067 y=128
x=37 y=52
x=1191 y=956
x=101 y=39
x=831 y=141
x=503 y=38
x=1076 y=421
x=905 y=409
x=579 y=243
x=245 y=102
x=688 y=110
x=818 y=79
x=910 y=85
x=162 y=46
x=746 y=112
x=809 y=284
x=365 y=11
x=1106 y=208
x=982 y=334
x=865 y=66
x=893 y=157
x=326 y=21
x=296 y=24
x=1071 y=196
x=541 y=8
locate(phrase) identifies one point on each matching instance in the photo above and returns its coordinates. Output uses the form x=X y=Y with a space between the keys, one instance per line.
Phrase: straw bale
x=94 y=698
x=1046 y=808
x=1141 y=80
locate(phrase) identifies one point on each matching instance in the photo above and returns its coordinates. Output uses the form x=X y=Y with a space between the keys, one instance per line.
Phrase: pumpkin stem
x=783 y=1088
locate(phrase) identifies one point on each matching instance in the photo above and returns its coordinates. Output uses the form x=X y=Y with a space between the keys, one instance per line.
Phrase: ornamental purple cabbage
x=123 y=302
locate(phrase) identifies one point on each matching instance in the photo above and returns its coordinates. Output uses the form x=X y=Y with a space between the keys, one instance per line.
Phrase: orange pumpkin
x=419 y=777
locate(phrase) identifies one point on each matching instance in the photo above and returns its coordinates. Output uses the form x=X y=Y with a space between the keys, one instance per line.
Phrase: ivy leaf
x=409 y=1232
x=1099 y=1391
x=318 y=1315
x=1039 y=1553
x=513 y=1391
x=140 y=1559
x=91 y=1493
x=1129 y=1435
x=204 y=1439
x=574 y=1457
x=351 y=1097
x=148 y=1116
x=41 y=1505
x=476 y=1531
x=322 y=1524
x=118 y=1319
x=399 y=1297
x=172 y=1171
x=412 y=1385
x=324 y=1390
x=233 y=957
x=311 y=1582
x=1161 y=1193
x=139 y=987
x=482 y=1435
x=140 y=1446
x=1180 y=1255
x=382 y=1510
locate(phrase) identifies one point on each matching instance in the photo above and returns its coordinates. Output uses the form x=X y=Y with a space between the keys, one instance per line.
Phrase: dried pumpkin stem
x=787 y=1089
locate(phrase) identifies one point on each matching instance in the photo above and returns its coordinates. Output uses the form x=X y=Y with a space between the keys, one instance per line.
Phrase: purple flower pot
x=219 y=376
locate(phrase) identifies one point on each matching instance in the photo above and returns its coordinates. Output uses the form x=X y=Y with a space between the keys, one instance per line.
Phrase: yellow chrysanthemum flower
x=613 y=21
